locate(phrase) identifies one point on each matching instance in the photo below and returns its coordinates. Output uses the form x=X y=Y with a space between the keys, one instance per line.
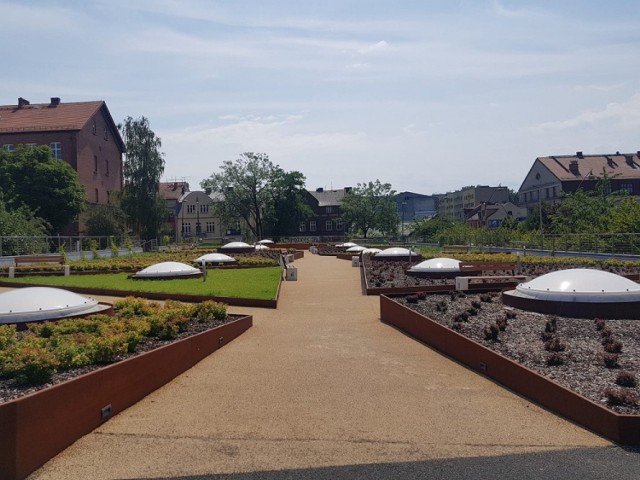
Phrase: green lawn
x=259 y=283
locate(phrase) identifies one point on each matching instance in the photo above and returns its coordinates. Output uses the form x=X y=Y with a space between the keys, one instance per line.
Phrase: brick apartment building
x=81 y=133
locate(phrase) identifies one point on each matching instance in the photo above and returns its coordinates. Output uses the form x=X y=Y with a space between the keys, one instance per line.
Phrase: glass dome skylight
x=168 y=270
x=215 y=258
x=356 y=248
x=33 y=304
x=437 y=265
x=262 y=246
x=371 y=251
x=235 y=245
x=395 y=252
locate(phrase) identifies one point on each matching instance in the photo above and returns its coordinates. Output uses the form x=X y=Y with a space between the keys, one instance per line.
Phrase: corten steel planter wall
x=37 y=427
x=624 y=429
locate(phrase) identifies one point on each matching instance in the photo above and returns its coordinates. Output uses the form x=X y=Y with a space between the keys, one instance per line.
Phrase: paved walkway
x=320 y=388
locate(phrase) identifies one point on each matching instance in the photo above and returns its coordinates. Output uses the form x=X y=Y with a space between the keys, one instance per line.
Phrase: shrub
x=600 y=324
x=510 y=314
x=626 y=379
x=612 y=346
x=461 y=317
x=477 y=305
x=210 y=310
x=605 y=333
x=502 y=324
x=486 y=298
x=552 y=325
x=132 y=307
x=555 y=345
x=620 y=396
x=106 y=349
x=7 y=335
x=491 y=332
x=30 y=364
x=555 y=359
x=422 y=295
x=610 y=360
x=546 y=336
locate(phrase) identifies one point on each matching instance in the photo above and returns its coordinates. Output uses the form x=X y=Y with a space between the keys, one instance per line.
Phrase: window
x=302 y=227
x=329 y=209
x=9 y=147
x=97 y=196
x=211 y=227
x=312 y=226
x=328 y=225
x=106 y=167
x=626 y=187
x=95 y=164
x=56 y=149
x=106 y=133
x=94 y=129
x=186 y=228
x=191 y=209
x=31 y=145
x=339 y=225
x=204 y=208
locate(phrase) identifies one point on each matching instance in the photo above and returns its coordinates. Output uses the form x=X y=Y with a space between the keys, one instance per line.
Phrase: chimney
x=579 y=155
x=573 y=167
x=320 y=190
x=347 y=189
x=55 y=101
x=629 y=160
x=22 y=102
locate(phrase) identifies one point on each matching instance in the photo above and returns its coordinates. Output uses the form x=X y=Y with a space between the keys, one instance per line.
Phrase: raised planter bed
x=620 y=428
x=36 y=427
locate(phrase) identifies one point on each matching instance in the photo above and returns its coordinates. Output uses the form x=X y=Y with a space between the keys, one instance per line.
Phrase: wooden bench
x=31 y=259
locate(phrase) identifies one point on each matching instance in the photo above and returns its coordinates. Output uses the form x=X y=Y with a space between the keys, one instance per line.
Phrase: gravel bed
x=523 y=340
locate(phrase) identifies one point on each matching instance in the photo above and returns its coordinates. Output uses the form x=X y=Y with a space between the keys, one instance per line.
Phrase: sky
x=427 y=95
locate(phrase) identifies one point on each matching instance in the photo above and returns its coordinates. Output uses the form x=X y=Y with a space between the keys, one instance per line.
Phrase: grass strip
x=259 y=283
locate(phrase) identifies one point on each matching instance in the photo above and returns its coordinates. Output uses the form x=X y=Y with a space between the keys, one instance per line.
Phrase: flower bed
x=568 y=365
x=40 y=421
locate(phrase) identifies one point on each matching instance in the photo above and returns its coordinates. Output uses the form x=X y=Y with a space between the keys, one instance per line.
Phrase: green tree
x=106 y=220
x=262 y=194
x=50 y=188
x=371 y=206
x=625 y=217
x=142 y=170
x=427 y=229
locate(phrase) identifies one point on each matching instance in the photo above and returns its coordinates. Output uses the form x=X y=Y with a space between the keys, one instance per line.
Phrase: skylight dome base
x=167 y=270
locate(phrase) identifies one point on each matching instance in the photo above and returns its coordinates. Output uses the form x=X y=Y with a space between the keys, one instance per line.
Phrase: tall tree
x=262 y=194
x=142 y=170
x=48 y=187
x=371 y=206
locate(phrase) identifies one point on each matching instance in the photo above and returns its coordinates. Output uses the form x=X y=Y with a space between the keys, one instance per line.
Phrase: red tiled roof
x=173 y=190
x=46 y=117
x=622 y=165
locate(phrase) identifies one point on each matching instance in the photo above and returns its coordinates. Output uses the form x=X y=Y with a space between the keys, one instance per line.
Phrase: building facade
x=550 y=177
x=326 y=221
x=83 y=134
x=454 y=204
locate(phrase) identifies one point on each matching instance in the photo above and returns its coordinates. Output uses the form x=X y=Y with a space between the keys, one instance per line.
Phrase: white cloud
x=378 y=47
x=624 y=115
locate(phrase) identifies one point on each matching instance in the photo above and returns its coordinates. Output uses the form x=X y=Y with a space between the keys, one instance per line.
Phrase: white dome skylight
x=215 y=258
x=168 y=270
x=33 y=304
x=265 y=241
x=233 y=245
x=347 y=245
x=437 y=265
x=356 y=248
x=262 y=246
x=395 y=252
x=371 y=251
x=580 y=285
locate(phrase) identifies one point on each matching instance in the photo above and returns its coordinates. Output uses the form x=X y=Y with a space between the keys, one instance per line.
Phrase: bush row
x=33 y=356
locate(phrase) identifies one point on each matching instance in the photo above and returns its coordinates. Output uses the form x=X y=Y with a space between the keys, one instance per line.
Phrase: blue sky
x=427 y=95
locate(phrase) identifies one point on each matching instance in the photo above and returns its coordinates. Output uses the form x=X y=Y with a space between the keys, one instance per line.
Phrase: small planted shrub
x=486 y=298
x=510 y=314
x=30 y=364
x=461 y=317
x=552 y=325
x=502 y=324
x=546 y=336
x=477 y=305
x=600 y=324
x=422 y=295
x=210 y=310
x=412 y=298
x=605 y=333
x=555 y=359
x=491 y=332
x=555 y=345
x=610 y=360
x=442 y=306
x=612 y=346
x=621 y=396
x=472 y=311
x=626 y=379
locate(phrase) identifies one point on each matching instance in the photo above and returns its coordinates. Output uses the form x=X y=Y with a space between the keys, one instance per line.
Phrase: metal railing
x=26 y=245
